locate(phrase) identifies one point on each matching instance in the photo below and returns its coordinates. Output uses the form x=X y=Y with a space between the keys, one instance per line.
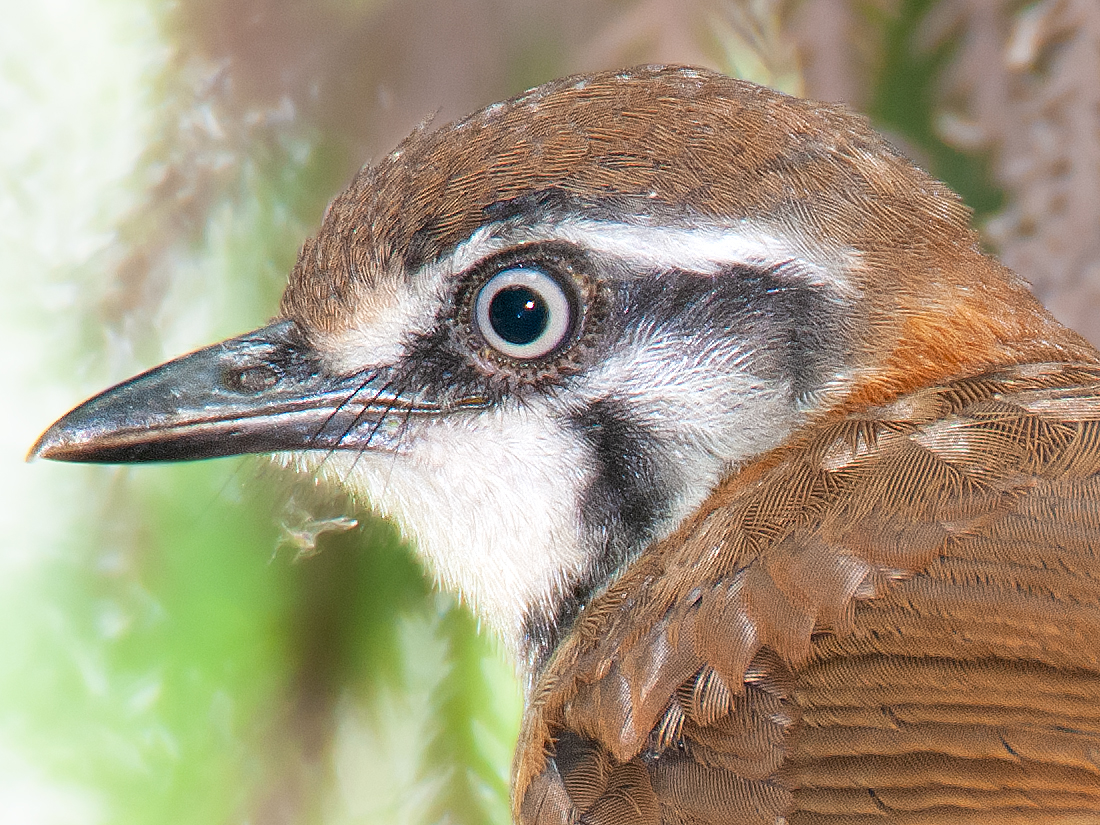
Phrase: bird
x=783 y=495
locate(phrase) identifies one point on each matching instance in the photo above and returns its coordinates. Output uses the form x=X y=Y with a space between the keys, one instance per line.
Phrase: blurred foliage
x=903 y=101
x=170 y=656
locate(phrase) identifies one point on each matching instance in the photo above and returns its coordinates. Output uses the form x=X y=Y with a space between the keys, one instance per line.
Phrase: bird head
x=541 y=337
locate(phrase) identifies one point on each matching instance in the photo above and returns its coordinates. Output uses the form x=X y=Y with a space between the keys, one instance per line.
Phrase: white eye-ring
x=523 y=312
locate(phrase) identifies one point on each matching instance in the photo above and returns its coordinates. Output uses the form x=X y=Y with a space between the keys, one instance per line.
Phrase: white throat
x=490 y=504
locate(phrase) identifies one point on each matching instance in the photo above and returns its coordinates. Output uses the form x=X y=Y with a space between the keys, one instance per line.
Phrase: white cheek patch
x=707 y=413
x=490 y=503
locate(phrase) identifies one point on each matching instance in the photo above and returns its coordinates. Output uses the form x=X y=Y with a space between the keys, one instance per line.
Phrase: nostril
x=252 y=379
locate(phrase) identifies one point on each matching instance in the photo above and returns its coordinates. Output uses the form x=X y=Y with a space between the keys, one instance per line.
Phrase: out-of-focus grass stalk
x=76 y=114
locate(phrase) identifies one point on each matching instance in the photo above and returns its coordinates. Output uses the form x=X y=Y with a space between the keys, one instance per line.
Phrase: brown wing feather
x=895 y=620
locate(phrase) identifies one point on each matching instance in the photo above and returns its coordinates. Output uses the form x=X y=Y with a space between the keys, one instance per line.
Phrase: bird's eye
x=523 y=312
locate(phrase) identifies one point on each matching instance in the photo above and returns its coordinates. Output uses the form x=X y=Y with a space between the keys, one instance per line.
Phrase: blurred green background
x=209 y=643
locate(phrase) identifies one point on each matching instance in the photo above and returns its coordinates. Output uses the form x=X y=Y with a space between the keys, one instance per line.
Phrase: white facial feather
x=489 y=500
x=706 y=410
x=398 y=309
x=648 y=248
x=708 y=251
x=395 y=311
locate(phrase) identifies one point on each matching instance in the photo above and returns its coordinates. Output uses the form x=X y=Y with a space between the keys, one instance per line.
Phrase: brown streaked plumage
x=794 y=516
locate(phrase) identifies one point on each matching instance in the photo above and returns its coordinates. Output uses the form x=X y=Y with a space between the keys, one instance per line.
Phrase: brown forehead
x=687 y=141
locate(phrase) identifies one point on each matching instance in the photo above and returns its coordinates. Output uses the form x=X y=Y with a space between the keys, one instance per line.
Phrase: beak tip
x=48 y=446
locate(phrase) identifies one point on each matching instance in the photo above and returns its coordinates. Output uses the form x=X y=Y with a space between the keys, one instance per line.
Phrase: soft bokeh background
x=211 y=643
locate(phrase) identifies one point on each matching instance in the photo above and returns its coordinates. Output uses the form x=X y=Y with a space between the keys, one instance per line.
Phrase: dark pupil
x=518 y=314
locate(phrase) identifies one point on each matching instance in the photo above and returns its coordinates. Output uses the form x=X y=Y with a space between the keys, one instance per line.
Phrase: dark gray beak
x=261 y=392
